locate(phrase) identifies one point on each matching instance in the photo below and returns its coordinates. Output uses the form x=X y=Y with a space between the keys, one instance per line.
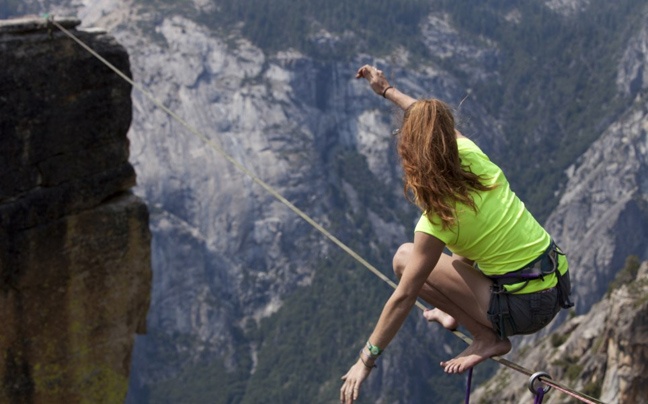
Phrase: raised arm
x=381 y=86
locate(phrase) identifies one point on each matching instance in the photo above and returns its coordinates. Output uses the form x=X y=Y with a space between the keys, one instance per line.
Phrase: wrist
x=368 y=355
x=384 y=93
x=366 y=361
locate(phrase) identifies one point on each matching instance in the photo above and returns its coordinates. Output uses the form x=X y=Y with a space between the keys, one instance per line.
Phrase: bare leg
x=462 y=294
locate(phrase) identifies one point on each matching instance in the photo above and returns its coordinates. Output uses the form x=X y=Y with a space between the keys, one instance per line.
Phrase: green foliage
x=200 y=383
x=309 y=343
x=273 y=25
x=571 y=366
x=207 y=381
x=558 y=339
x=281 y=24
x=627 y=274
x=593 y=389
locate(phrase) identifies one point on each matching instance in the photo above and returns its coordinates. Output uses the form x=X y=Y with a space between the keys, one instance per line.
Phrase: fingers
x=351 y=387
x=368 y=71
x=375 y=77
x=363 y=71
x=345 y=394
x=349 y=392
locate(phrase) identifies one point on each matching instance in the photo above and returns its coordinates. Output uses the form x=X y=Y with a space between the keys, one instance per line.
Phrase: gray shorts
x=513 y=314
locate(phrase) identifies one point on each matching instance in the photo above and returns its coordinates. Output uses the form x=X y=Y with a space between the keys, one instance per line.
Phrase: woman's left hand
x=352 y=381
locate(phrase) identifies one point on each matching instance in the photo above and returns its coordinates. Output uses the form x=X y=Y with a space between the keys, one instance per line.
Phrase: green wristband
x=373 y=349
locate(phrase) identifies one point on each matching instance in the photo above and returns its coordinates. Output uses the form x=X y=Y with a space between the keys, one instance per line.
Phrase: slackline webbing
x=565 y=389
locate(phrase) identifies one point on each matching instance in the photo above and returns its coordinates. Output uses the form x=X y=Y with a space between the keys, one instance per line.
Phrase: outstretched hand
x=380 y=85
x=375 y=77
x=352 y=381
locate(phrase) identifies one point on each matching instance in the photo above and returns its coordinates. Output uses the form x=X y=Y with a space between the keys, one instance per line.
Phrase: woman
x=505 y=276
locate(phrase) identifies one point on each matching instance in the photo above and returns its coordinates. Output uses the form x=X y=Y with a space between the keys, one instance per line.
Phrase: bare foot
x=441 y=317
x=478 y=351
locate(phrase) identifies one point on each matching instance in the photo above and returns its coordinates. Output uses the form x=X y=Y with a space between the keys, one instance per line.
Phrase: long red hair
x=435 y=180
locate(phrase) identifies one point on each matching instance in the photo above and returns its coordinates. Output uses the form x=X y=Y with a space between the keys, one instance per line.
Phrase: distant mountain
x=249 y=303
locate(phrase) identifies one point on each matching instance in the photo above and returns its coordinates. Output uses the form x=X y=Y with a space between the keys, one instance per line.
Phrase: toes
x=453 y=366
x=448 y=366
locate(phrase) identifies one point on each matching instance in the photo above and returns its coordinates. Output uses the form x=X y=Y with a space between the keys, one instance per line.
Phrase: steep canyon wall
x=75 y=269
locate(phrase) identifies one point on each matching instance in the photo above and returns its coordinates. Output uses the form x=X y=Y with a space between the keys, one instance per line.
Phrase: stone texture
x=602 y=217
x=74 y=241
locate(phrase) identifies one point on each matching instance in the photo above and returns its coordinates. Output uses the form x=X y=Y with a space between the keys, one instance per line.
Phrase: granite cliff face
x=227 y=256
x=603 y=215
x=74 y=241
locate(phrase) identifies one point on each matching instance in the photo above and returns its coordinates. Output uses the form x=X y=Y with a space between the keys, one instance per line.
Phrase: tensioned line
x=565 y=389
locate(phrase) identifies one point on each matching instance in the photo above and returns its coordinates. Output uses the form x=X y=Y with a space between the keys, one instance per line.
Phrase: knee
x=400 y=258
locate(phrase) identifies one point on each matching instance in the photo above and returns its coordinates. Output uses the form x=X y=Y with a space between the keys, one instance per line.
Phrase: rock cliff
x=74 y=241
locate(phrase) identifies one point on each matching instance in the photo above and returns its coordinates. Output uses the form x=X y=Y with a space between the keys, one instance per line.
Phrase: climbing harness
x=543 y=378
x=502 y=310
x=545 y=265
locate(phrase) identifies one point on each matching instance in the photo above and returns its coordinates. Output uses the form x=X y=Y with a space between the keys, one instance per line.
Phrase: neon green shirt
x=502 y=236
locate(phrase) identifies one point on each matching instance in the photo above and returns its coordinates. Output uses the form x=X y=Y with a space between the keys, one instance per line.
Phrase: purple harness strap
x=468 y=383
x=539 y=396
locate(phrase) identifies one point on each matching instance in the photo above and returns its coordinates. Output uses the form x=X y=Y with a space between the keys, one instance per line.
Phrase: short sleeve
x=424 y=225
